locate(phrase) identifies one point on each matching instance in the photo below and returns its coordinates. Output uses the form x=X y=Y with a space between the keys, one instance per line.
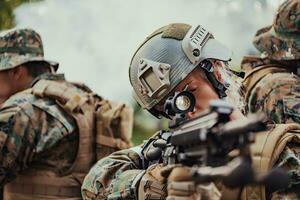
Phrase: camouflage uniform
x=32 y=129
x=116 y=176
x=278 y=93
x=36 y=134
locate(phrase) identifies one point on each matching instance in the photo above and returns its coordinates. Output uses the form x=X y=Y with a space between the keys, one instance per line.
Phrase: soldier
x=272 y=84
x=174 y=58
x=179 y=57
x=47 y=136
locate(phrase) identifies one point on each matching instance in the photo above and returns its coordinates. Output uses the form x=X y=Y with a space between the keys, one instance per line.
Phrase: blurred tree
x=145 y=125
x=6 y=12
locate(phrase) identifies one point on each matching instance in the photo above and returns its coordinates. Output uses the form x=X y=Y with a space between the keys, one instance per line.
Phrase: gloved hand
x=153 y=184
x=181 y=186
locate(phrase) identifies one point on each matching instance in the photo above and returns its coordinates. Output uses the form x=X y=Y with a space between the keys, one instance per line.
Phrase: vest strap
x=265 y=152
x=111 y=142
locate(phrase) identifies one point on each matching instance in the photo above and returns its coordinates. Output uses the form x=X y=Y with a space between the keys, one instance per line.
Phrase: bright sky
x=94 y=40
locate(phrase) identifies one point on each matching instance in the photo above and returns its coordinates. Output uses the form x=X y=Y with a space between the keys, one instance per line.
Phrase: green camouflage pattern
x=281 y=40
x=113 y=177
x=276 y=94
x=34 y=133
x=290 y=161
x=19 y=46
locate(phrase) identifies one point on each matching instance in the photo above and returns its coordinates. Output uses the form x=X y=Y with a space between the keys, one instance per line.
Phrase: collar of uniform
x=250 y=62
x=48 y=76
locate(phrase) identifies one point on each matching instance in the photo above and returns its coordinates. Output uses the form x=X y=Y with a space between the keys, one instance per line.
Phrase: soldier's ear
x=18 y=73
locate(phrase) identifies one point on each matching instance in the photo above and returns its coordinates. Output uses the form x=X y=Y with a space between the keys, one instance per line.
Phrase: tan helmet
x=166 y=57
x=19 y=46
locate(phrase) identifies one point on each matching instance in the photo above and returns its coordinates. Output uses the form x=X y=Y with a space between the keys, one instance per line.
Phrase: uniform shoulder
x=32 y=105
x=277 y=95
x=19 y=99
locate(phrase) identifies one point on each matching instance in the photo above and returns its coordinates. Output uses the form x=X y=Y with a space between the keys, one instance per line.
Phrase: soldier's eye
x=192 y=88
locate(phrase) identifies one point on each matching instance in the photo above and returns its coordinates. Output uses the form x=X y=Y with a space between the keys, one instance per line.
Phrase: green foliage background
x=145 y=125
x=6 y=12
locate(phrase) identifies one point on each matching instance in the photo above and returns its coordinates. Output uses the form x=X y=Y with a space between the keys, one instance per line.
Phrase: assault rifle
x=207 y=143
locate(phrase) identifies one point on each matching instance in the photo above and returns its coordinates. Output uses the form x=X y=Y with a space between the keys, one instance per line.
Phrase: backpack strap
x=266 y=151
x=113 y=127
x=109 y=141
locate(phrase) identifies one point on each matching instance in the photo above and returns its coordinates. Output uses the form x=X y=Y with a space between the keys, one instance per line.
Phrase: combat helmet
x=281 y=41
x=19 y=46
x=166 y=57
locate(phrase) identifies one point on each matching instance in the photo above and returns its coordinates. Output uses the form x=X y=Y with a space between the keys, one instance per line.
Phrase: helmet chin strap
x=219 y=87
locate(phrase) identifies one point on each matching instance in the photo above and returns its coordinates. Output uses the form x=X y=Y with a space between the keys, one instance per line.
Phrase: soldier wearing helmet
x=46 y=123
x=174 y=58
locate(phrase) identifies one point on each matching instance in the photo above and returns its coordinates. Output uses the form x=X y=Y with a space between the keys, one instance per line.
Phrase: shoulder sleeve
x=289 y=160
x=114 y=177
x=13 y=128
x=277 y=95
x=118 y=175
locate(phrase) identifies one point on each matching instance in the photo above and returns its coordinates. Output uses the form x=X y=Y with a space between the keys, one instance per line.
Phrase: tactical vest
x=254 y=76
x=103 y=128
x=265 y=152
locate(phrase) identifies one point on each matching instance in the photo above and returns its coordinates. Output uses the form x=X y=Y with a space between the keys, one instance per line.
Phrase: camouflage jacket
x=276 y=94
x=35 y=133
x=290 y=161
x=117 y=176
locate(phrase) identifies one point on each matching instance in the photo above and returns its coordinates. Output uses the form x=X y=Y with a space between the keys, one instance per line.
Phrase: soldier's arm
x=24 y=134
x=114 y=177
x=289 y=160
x=14 y=134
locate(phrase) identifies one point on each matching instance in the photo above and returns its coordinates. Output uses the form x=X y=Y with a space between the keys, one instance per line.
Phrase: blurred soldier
x=272 y=84
x=47 y=125
x=174 y=58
